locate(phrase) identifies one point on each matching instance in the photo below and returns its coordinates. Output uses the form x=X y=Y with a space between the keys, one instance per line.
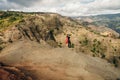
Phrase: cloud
x=23 y=2
x=105 y=4
x=87 y=1
x=64 y=7
x=92 y=8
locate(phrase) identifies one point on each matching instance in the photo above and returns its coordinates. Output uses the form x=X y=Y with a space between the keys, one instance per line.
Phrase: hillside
x=108 y=20
x=35 y=43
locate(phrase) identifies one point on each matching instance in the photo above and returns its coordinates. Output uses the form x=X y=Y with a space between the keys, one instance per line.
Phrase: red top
x=66 y=41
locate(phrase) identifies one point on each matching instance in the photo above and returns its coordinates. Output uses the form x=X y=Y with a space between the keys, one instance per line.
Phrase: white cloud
x=64 y=7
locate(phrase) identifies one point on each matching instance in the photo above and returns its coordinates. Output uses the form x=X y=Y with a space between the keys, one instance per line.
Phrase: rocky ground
x=12 y=73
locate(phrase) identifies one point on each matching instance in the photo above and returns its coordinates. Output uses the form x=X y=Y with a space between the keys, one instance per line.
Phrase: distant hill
x=108 y=20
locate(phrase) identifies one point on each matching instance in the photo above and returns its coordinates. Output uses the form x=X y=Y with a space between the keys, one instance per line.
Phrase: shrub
x=84 y=42
x=102 y=56
x=1 y=48
x=98 y=49
x=60 y=45
x=93 y=55
x=72 y=45
x=93 y=49
x=99 y=42
x=12 y=19
x=94 y=40
x=110 y=40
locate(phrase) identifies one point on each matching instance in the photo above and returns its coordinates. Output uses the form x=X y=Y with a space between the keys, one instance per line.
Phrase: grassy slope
x=8 y=19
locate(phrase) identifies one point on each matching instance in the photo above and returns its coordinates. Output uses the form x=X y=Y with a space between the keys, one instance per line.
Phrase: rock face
x=29 y=31
x=12 y=73
x=45 y=63
x=34 y=28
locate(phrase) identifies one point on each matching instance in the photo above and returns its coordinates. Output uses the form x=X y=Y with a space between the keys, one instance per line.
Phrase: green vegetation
x=1 y=45
x=114 y=60
x=60 y=45
x=84 y=42
x=12 y=19
x=95 y=46
x=85 y=23
x=98 y=48
x=72 y=45
x=109 y=20
x=9 y=19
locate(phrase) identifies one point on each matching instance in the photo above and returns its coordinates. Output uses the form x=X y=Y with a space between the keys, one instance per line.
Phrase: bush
x=1 y=47
x=93 y=49
x=84 y=42
x=60 y=45
x=12 y=19
x=114 y=60
x=115 y=50
x=72 y=45
x=94 y=40
x=98 y=49
x=103 y=56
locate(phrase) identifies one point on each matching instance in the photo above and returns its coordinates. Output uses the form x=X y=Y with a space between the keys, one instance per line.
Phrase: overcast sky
x=64 y=7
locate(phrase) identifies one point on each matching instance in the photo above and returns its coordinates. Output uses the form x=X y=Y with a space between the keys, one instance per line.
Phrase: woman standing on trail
x=68 y=42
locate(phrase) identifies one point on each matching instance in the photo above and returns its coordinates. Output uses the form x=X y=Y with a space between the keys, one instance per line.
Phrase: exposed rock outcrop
x=12 y=73
x=34 y=28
